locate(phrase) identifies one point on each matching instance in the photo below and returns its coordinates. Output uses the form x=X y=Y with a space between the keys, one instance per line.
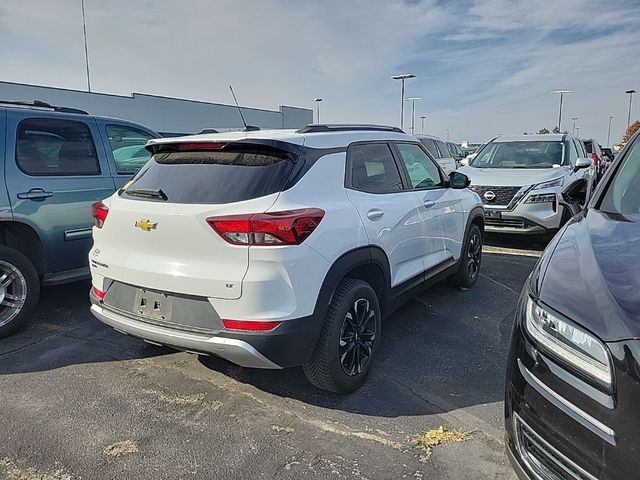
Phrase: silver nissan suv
x=519 y=179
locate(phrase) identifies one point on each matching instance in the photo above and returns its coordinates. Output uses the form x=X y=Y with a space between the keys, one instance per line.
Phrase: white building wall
x=163 y=114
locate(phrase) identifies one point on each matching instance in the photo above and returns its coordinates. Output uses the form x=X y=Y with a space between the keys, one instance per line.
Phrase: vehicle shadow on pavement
x=444 y=350
x=63 y=332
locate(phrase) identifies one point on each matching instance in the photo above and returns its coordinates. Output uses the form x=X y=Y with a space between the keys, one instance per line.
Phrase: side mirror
x=464 y=162
x=574 y=196
x=458 y=180
x=583 y=162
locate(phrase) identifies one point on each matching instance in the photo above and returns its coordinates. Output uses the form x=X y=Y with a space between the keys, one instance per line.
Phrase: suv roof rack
x=324 y=127
x=42 y=105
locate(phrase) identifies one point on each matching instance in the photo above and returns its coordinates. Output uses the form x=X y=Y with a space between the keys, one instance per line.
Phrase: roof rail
x=323 y=127
x=42 y=105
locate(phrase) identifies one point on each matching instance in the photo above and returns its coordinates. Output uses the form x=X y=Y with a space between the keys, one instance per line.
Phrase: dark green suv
x=56 y=162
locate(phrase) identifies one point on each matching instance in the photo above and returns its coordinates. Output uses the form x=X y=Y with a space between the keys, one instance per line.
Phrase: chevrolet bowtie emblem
x=146 y=225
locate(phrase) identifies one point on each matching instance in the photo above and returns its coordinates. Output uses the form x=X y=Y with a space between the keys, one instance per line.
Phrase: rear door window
x=232 y=174
x=53 y=147
x=127 y=146
x=373 y=169
x=430 y=145
x=588 y=146
x=444 y=152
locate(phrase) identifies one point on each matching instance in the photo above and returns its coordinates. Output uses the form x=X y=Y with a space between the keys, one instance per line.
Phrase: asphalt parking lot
x=80 y=400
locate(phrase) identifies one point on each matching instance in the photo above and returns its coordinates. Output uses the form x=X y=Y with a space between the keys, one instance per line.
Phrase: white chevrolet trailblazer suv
x=281 y=248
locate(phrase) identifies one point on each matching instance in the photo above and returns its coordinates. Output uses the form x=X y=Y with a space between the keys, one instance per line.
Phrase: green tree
x=633 y=128
x=543 y=130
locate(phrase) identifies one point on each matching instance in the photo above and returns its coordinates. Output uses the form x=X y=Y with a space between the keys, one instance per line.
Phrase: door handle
x=429 y=203
x=374 y=214
x=35 y=194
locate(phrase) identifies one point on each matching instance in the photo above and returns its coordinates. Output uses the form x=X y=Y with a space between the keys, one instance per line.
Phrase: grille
x=503 y=222
x=503 y=194
x=547 y=462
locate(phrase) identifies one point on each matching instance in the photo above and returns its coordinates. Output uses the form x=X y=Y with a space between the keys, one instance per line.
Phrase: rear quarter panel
x=340 y=231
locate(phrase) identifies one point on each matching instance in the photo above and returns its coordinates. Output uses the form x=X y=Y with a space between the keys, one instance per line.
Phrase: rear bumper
x=290 y=344
x=236 y=351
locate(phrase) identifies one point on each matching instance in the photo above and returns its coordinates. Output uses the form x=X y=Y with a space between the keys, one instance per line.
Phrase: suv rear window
x=53 y=147
x=234 y=174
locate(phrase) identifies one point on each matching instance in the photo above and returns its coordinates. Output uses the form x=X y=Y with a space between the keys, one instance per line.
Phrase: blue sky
x=483 y=67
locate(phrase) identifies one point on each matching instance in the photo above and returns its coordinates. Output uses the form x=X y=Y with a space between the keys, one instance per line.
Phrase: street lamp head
x=561 y=91
x=403 y=76
x=423 y=116
x=630 y=92
x=412 y=99
x=575 y=118
x=318 y=100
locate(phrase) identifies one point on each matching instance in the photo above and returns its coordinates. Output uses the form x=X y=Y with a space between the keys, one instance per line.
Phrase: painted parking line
x=511 y=251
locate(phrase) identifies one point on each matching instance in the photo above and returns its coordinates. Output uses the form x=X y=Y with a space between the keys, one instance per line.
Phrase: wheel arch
x=369 y=264
x=26 y=240
x=476 y=217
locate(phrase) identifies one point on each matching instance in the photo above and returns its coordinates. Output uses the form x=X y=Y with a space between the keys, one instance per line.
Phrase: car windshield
x=534 y=154
x=623 y=194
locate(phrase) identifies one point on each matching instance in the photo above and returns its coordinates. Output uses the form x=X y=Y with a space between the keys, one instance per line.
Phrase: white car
x=520 y=179
x=439 y=151
x=281 y=248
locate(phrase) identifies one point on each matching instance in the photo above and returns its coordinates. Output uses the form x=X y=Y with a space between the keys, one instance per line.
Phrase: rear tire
x=349 y=339
x=19 y=290
x=470 y=260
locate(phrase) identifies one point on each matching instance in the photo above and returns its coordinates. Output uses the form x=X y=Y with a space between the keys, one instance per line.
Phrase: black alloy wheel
x=474 y=255
x=357 y=337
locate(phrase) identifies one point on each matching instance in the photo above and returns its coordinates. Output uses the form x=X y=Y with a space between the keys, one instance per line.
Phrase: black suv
x=573 y=375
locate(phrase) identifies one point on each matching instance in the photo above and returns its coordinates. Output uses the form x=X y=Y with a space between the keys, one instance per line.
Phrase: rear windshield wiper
x=147 y=193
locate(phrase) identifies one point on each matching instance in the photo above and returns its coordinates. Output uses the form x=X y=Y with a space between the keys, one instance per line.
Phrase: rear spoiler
x=294 y=150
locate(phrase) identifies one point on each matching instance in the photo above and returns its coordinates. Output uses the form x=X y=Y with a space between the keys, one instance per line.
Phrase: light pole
x=609 y=131
x=403 y=77
x=423 y=117
x=86 y=51
x=413 y=101
x=574 y=124
x=318 y=100
x=447 y=134
x=577 y=131
x=630 y=92
x=561 y=93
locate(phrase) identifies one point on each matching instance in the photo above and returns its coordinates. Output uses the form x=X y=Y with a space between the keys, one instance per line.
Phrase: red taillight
x=99 y=294
x=254 y=326
x=100 y=212
x=594 y=157
x=200 y=146
x=278 y=228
